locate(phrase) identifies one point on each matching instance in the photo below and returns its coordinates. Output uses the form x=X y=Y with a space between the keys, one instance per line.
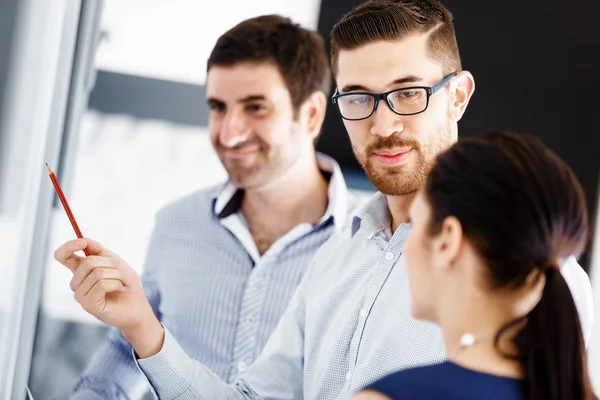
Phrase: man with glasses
x=349 y=322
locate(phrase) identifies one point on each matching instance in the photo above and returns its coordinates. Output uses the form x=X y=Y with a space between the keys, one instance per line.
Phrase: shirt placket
x=385 y=263
x=251 y=311
x=246 y=334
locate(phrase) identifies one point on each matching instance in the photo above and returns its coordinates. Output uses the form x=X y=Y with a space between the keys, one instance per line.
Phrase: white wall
x=172 y=39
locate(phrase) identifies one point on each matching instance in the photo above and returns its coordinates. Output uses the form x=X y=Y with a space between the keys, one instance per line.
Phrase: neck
x=300 y=195
x=482 y=318
x=399 y=206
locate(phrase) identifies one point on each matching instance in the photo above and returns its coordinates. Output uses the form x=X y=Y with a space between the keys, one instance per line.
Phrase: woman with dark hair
x=490 y=228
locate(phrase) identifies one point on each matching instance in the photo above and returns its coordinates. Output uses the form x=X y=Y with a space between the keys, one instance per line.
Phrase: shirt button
x=251 y=319
x=363 y=313
x=349 y=376
x=389 y=255
x=242 y=366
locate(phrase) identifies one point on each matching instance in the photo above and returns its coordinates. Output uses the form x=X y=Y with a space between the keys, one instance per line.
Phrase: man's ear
x=461 y=90
x=312 y=112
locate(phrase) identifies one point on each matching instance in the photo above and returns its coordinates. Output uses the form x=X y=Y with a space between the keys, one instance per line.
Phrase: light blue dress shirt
x=347 y=325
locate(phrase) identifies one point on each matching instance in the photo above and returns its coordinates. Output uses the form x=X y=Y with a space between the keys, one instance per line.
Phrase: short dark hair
x=523 y=210
x=377 y=20
x=299 y=53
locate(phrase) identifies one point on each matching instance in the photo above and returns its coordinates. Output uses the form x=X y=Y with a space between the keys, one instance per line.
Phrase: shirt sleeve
x=276 y=374
x=581 y=290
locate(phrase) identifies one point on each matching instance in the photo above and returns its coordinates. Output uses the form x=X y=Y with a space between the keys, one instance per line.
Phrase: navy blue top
x=448 y=381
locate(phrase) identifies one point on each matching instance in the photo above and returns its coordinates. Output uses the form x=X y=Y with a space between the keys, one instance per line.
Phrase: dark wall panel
x=334 y=140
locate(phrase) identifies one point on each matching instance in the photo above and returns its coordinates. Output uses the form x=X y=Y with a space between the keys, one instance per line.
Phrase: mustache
x=389 y=142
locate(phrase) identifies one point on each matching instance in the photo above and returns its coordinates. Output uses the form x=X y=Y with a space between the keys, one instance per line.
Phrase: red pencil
x=65 y=204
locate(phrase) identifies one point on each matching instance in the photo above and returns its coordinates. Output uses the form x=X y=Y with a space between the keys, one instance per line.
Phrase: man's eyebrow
x=399 y=81
x=213 y=100
x=247 y=99
x=252 y=97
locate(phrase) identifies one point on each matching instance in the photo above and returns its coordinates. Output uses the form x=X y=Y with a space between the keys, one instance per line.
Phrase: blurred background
x=111 y=94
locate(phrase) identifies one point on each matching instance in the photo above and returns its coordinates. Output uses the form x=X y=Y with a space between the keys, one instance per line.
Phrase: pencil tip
x=49 y=169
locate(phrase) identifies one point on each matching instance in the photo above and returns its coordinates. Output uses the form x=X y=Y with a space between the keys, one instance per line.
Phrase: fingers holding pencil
x=99 y=256
x=92 y=264
x=105 y=285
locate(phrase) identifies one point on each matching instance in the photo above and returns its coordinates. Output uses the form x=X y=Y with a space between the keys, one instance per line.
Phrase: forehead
x=375 y=65
x=245 y=79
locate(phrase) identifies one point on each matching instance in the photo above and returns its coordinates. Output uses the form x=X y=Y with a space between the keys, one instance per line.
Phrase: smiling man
x=401 y=95
x=224 y=262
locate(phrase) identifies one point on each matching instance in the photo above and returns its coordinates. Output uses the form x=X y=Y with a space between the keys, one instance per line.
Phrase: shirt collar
x=373 y=217
x=229 y=200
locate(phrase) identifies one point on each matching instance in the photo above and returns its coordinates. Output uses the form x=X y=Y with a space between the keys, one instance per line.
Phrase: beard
x=403 y=179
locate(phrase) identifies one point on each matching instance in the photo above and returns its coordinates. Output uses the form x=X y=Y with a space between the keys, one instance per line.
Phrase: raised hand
x=109 y=289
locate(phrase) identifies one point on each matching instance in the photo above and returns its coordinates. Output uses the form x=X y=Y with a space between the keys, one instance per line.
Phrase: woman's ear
x=446 y=244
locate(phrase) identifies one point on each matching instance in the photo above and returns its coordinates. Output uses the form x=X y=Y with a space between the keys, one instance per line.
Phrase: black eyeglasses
x=405 y=101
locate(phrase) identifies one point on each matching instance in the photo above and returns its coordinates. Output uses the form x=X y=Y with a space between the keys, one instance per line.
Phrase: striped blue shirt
x=207 y=282
x=348 y=324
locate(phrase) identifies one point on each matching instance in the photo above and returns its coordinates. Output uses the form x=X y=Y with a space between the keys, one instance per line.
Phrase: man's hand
x=109 y=289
